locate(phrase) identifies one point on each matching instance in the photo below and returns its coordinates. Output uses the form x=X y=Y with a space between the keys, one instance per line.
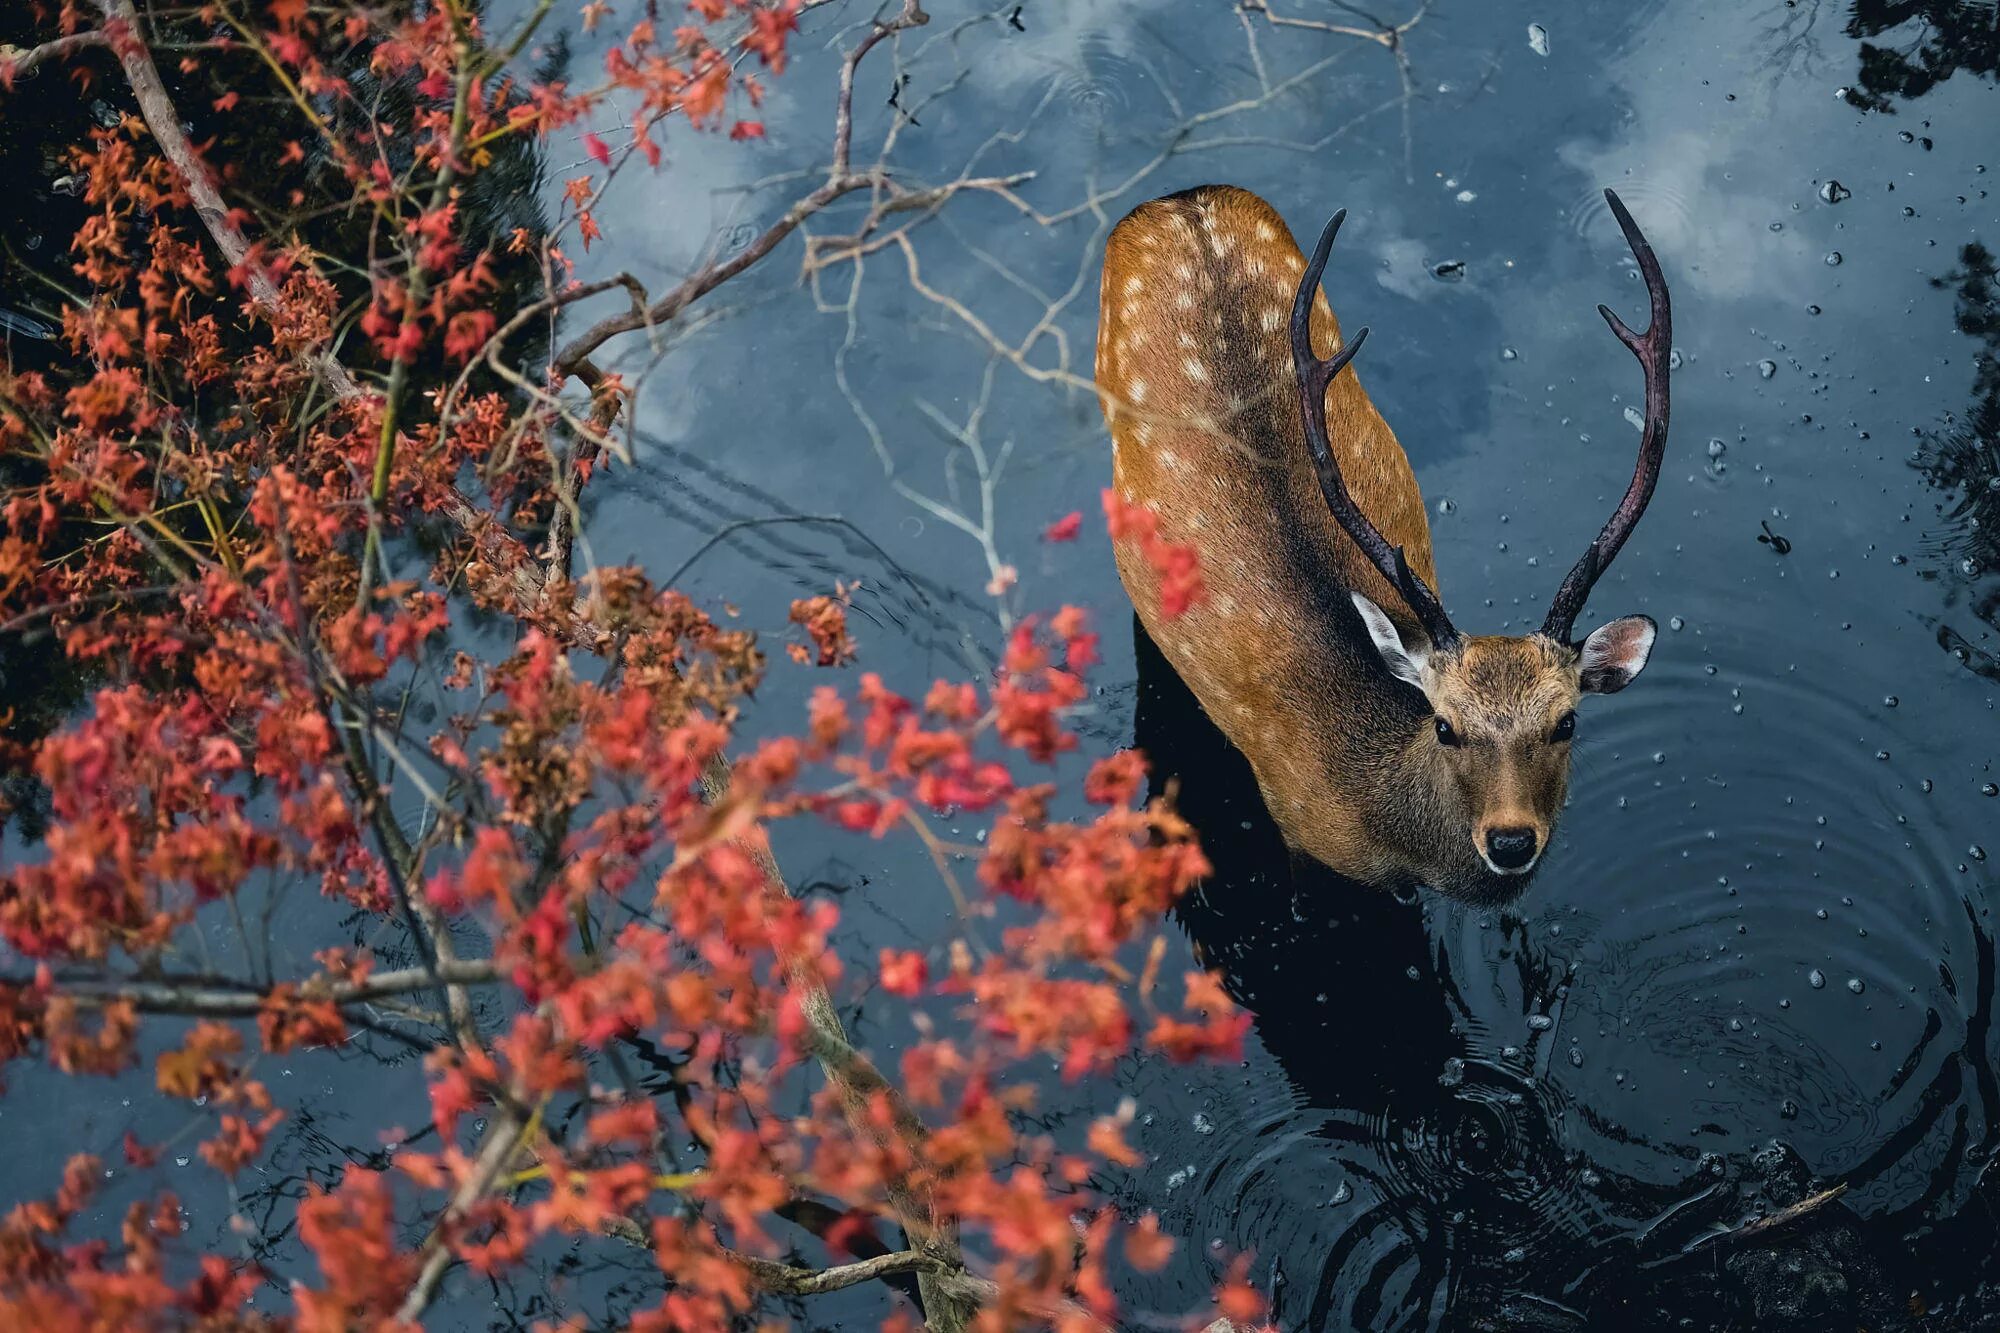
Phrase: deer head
x=1495 y=757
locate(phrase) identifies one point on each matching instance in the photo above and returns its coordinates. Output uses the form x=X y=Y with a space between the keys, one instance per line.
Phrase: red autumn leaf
x=1064 y=529
x=902 y=972
x=597 y=148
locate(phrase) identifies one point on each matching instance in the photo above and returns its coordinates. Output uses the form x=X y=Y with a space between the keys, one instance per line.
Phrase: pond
x=1759 y=961
x=1758 y=964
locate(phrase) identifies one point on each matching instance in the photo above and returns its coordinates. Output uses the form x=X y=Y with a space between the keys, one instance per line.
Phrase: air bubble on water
x=1180 y=1177
x=1509 y=354
x=1976 y=852
x=1450 y=270
x=1833 y=192
x=1675 y=622
x=1890 y=701
x=1465 y=196
x=1453 y=1073
x=1659 y=756
x=1767 y=368
x=1514 y=1256
x=1202 y=1124
x=1716 y=448
x=1788 y=1109
x=1342 y=1193
x=1576 y=1057
x=1989 y=789
x=1636 y=418
x=1674 y=358
x=1833 y=259
x=1446 y=505
x=1540 y=1022
x=1816 y=979
x=181 y=1161
x=1821 y=914
x=1538 y=39
x=1735 y=1025
x=1856 y=985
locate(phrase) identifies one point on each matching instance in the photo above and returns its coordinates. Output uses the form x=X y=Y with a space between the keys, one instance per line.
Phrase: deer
x=1387 y=746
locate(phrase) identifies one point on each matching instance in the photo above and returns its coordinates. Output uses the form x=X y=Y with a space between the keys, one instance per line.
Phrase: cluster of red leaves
x=1176 y=566
x=199 y=527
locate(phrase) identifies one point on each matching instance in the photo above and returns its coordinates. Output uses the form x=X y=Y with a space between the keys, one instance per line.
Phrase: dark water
x=1760 y=959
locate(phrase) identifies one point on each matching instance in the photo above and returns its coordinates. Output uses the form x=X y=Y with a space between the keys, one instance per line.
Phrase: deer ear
x=1616 y=652
x=1404 y=663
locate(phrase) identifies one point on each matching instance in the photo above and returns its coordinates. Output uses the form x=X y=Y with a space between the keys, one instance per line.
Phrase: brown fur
x=1195 y=376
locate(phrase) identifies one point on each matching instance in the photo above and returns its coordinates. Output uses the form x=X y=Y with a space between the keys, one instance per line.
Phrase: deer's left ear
x=1615 y=653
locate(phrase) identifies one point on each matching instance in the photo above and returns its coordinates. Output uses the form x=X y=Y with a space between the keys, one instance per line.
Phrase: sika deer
x=1387 y=745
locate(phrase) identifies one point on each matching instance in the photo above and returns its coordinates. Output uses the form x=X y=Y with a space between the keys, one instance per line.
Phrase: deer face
x=1496 y=754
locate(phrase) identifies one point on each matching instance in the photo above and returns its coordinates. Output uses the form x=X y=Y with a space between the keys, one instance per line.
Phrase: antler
x=1315 y=376
x=1654 y=350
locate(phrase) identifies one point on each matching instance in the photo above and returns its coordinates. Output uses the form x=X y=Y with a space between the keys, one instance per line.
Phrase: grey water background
x=1764 y=933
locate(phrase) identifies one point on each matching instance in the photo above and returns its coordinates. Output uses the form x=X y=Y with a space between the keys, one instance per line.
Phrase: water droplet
x=1735 y=1025
x=1465 y=196
x=1989 y=789
x=1675 y=622
x=1342 y=1193
x=1450 y=270
x=1890 y=701
x=1447 y=505
x=1180 y=1177
x=1788 y=1110
x=1202 y=1124
x=181 y=1161
x=1833 y=259
x=1516 y=1255
x=1716 y=448
x=1976 y=852
x=1576 y=1057
x=1833 y=192
x=1453 y=1074
x=1767 y=368
x=1540 y=1022
x=1538 y=39
x=1635 y=418
x=1856 y=985
x=1816 y=979
x=1509 y=354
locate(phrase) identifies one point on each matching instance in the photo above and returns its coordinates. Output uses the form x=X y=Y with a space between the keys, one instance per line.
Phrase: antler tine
x=1654 y=351
x=1315 y=376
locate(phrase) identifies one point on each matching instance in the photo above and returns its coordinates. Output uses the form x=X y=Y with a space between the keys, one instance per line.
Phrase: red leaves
x=902 y=972
x=1064 y=529
x=351 y=1232
x=466 y=333
x=1176 y=567
x=824 y=620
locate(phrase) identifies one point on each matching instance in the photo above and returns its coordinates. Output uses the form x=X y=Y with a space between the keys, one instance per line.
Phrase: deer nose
x=1510 y=848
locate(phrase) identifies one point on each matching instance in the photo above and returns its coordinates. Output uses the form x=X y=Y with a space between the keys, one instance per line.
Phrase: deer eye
x=1446 y=736
x=1565 y=727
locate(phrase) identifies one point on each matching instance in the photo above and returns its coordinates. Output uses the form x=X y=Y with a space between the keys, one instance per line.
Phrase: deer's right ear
x=1404 y=663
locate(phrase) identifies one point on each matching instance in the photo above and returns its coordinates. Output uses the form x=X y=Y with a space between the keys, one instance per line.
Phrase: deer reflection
x=1471 y=1206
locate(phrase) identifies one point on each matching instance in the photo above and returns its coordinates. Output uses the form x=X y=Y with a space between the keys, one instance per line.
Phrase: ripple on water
x=1698 y=892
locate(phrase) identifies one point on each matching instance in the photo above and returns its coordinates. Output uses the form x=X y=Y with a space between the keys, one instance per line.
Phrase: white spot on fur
x=1195 y=370
x=1136 y=391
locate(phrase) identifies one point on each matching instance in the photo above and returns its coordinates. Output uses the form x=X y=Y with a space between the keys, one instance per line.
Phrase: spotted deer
x=1387 y=745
